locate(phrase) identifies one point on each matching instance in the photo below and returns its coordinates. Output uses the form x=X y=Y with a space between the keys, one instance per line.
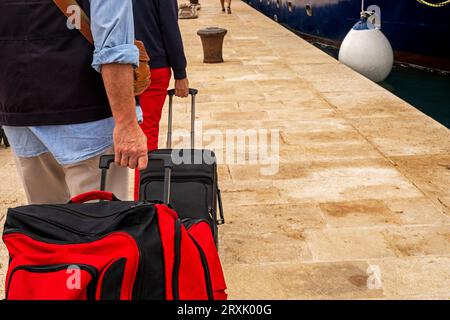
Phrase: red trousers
x=152 y=102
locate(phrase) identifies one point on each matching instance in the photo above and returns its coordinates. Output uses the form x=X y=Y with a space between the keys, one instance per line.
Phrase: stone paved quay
x=363 y=182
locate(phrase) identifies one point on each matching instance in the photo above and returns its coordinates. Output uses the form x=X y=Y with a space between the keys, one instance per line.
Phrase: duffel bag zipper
x=137 y=291
x=75 y=212
x=177 y=260
x=207 y=273
x=91 y=289
x=53 y=224
x=189 y=222
x=69 y=210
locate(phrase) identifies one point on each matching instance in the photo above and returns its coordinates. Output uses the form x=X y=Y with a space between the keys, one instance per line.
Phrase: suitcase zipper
x=177 y=261
x=175 y=179
x=181 y=181
x=210 y=211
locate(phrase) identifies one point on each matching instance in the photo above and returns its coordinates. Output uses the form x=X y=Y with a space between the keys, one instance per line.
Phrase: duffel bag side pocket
x=185 y=269
x=52 y=282
x=110 y=280
x=166 y=225
x=201 y=234
x=104 y=269
x=66 y=282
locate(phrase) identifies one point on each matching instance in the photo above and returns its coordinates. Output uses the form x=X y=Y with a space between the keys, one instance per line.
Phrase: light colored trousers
x=46 y=181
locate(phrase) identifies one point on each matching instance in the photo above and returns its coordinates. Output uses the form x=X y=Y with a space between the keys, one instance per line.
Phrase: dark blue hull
x=419 y=34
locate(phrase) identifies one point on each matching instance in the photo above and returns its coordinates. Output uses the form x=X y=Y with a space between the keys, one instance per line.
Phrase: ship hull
x=419 y=34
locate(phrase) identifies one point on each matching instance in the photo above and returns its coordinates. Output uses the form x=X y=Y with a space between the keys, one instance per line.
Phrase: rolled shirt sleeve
x=112 y=27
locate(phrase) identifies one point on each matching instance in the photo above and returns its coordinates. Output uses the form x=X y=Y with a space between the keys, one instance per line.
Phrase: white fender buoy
x=366 y=50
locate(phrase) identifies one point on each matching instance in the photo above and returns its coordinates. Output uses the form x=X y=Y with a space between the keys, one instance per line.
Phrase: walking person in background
x=156 y=24
x=63 y=103
x=222 y=2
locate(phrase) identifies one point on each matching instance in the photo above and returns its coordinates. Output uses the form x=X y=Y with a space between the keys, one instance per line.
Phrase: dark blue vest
x=46 y=76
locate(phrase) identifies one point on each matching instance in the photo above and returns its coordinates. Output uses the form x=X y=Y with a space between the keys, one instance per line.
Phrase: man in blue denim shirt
x=57 y=155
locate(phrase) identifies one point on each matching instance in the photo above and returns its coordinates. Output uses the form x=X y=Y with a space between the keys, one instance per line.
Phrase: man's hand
x=130 y=146
x=182 y=88
x=130 y=143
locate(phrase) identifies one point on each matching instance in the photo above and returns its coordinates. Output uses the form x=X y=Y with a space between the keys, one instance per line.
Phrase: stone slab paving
x=361 y=192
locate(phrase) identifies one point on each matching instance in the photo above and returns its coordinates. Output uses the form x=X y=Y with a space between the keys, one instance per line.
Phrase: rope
x=434 y=5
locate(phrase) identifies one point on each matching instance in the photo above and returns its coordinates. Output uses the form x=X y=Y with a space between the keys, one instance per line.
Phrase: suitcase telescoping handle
x=171 y=93
x=168 y=166
x=107 y=160
x=105 y=163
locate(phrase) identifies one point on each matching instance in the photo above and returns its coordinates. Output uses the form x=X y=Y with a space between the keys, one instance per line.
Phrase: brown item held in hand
x=141 y=73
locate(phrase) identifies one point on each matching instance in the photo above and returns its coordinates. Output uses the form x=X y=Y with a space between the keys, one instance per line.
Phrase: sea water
x=426 y=90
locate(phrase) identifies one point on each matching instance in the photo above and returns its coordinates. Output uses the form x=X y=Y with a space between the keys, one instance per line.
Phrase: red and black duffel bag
x=109 y=250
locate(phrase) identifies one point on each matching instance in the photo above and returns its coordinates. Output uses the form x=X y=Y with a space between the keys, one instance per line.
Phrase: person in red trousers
x=156 y=24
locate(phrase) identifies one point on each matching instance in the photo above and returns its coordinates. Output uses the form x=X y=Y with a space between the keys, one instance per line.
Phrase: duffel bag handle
x=94 y=195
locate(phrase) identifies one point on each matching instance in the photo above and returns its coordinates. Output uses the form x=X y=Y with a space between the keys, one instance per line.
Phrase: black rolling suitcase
x=195 y=192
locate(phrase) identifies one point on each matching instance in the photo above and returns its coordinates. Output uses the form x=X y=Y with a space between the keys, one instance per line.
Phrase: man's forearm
x=130 y=143
x=114 y=56
x=118 y=80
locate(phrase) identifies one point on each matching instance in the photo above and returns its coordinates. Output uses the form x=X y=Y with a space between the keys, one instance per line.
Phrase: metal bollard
x=212 y=41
